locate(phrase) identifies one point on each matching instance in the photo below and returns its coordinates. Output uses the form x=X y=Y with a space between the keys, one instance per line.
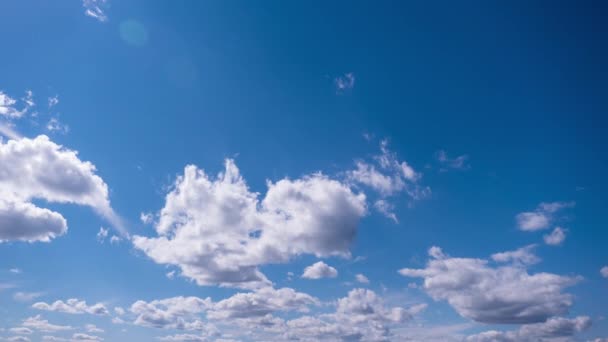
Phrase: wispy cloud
x=96 y=9
x=345 y=82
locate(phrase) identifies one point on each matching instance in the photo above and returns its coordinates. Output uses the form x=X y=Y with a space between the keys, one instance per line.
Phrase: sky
x=303 y=171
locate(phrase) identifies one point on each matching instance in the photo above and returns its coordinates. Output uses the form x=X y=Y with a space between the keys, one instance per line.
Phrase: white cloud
x=96 y=9
x=56 y=126
x=554 y=329
x=40 y=324
x=557 y=237
x=15 y=270
x=345 y=82
x=40 y=169
x=361 y=278
x=319 y=270
x=218 y=231
x=261 y=303
x=170 y=313
x=26 y=296
x=457 y=163
x=505 y=294
x=73 y=306
x=18 y=339
x=8 y=107
x=542 y=217
x=146 y=218
x=386 y=208
x=92 y=328
x=102 y=234
x=184 y=337
x=85 y=337
x=20 y=331
x=604 y=271
x=524 y=256
x=53 y=101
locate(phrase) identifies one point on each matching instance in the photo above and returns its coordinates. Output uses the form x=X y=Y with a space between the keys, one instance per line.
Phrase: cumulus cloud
x=173 y=313
x=524 y=256
x=40 y=169
x=95 y=9
x=73 y=306
x=92 y=328
x=40 y=324
x=456 y=163
x=319 y=270
x=218 y=231
x=503 y=294
x=556 y=237
x=553 y=329
x=542 y=217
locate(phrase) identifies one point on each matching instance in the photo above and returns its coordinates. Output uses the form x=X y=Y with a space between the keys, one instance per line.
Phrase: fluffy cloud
x=363 y=305
x=40 y=324
x=362 y=279
x=604 y=271
x=218 y=231
x=319 y=270
x=95 y=9
x=92 y=328
x=551 y=330
x=261 y=303
x=40 y=169
x=557 y=237
x=8 y=105
x=73 y=306
x=524 y=256
x=542 y=217
x=505 y=294
x=174 y=313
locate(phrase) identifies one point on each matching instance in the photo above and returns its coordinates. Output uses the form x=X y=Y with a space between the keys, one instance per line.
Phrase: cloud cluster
x=503 y=294
x=40 y=169
x=319 y=270
x=73 y=306
x=551 y=330
x=542 y=217
x=218 y=231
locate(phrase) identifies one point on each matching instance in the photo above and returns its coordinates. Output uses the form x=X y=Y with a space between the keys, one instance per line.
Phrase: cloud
x=8 y=108
x=40 y=169
x=55 y=126
x=218 y=231
x=18 y=339
x=53 y=101
x=73 y=306
x=362 y=279
x=345 y=82
x=92 y=328
x=96 y=9
x=171 y=313
x=386 y=208
x=184 y=337
x=542 y=217
x=553 y=329
x=457 y=163
x=503 y=295
x=261 y=303
x=21 y=331
x=85 y=337
x=523 y=256
x=102 y=234
x=319 y=270
x=604 y=271
x=15 y=271
x=26 y=296
x=40 y=324
x=557 y=237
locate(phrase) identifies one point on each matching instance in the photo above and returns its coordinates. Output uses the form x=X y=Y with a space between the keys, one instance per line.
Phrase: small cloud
x=345 y=82
x=26 y=296
x=319 y=270
x=604 y=271
x=362 y=279
x=102 y=234
x=542 y=217
x=115 y=239
x=457 y=163
x=8 y=105
x=557 y=237
x=170 y=275
x=92 y=328
x=386 y=208
x=15 y=270
x=96 y=9
x=55 y=126
x=53 y=101
x=146 y=218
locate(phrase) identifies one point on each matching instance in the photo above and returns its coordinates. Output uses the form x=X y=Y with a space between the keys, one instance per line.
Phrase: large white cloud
x=73 y=306
x=218 y=231
x=40 y=169
x=505 y=294
x=554 y=329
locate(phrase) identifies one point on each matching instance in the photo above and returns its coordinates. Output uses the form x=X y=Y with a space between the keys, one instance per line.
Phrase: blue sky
x=224 y=170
